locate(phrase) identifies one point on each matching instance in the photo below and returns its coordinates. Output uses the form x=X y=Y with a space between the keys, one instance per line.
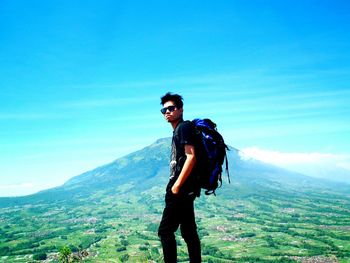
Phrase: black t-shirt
x=184 y=134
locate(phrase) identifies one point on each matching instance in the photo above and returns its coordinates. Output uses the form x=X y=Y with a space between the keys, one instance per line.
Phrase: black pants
x=179 y=210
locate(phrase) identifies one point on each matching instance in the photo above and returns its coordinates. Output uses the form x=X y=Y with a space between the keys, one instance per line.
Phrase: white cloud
x=20 y=189
x=16 y=186
x=345 y=165
x=276 y=157
x=323 y=165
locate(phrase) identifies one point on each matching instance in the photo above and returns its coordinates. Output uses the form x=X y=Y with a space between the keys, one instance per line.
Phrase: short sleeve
x=186 y=134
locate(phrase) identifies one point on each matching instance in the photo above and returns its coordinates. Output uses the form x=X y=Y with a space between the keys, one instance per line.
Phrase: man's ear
x=181 y=110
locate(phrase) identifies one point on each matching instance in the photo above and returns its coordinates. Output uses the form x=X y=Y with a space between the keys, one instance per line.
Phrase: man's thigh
x=171 y=215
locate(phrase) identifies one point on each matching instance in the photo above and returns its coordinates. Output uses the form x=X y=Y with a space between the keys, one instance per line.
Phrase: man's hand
x=175 y=189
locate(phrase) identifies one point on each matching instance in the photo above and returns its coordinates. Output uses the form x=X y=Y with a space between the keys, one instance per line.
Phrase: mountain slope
x=140 y=165
x=148 y=168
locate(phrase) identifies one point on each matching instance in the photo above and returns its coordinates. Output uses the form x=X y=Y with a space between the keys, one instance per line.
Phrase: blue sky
x=81 y=80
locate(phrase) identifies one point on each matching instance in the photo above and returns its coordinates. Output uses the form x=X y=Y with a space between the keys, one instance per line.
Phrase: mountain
x=148 y=167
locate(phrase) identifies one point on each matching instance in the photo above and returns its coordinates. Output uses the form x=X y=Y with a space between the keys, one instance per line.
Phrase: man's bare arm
x=186 y=169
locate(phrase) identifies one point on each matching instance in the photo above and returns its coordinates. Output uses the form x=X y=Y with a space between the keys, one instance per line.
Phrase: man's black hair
x=176 y=98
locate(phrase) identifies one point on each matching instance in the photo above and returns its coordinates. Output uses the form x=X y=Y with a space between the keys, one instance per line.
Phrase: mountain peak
x=149 y=167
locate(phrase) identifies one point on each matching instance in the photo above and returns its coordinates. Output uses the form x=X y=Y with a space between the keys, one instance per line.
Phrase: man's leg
x=167 y=228
x=189 y=232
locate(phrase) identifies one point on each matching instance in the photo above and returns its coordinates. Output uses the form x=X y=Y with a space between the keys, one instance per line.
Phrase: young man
x=183 y=187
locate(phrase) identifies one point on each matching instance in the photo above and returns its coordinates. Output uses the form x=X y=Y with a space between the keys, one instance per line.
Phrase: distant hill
x=149 y=167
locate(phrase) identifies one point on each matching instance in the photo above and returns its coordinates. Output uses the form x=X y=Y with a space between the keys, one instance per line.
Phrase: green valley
x=262 y=216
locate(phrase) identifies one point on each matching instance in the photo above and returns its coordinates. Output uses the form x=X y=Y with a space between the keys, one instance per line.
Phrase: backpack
x=211 y=154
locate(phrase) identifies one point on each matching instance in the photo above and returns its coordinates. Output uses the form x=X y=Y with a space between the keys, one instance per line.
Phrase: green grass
x=254 y=227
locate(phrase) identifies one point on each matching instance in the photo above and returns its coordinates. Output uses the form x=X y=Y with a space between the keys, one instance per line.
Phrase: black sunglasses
x=170 y=108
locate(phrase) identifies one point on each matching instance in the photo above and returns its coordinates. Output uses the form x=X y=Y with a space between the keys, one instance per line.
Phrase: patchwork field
x=268 y=226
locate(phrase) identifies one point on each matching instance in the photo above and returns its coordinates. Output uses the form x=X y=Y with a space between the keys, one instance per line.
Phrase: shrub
x=124 y=242
x=120 y=249
x=40 y=256
x=143 y=248
x=124 y=258
x=4 y=251
x=249 y=234
x=64 y=254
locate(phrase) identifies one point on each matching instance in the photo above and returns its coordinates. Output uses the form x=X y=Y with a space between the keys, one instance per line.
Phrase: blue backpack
x=211 y=154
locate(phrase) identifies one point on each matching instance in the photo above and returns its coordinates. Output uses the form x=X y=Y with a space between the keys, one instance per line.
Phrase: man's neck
x=175 y=123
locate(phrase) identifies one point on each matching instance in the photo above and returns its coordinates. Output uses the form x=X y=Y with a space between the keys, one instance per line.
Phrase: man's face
x=172 y=113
